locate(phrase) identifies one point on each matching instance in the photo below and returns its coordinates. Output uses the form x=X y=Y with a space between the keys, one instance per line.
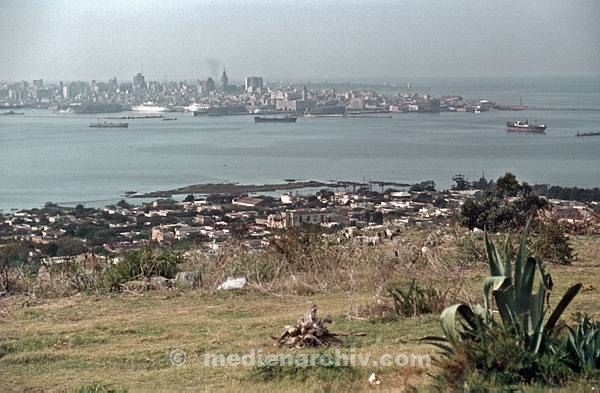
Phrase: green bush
x=417 y=299
x=495 y=356
x=552 y=243
x=583 y=346
x=143 y=263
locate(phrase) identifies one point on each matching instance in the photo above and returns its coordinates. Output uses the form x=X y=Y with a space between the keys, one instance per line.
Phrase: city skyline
x=64 y=40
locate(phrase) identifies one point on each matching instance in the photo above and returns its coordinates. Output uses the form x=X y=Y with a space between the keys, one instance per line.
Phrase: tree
x=483 y=184
x=51 y=249
x=493 y=212
x=376 y=217
x=507 y=186
x=10 y=255
x=461 y=183
x=189 y=198
x=68 y=246
x=123 y=204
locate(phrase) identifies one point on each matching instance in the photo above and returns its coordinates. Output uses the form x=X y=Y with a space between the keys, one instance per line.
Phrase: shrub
x=11 y=255
x=468 y=250
x=142 y=263
x=417 y=299
x=495 y=356
x=552 y=243
x=375 y=311
x=583 y=345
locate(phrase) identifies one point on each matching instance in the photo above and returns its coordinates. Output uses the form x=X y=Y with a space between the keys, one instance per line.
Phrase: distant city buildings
x=207 y=97
x=254 y=85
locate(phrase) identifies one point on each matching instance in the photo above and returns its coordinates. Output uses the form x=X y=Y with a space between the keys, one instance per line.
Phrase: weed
x=417 y=299
x=326 y=367
x=100 y=387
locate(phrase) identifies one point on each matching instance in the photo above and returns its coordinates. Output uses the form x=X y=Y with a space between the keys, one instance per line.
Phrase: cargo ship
x=525 y=126
x=106 y=124
x=286 y=119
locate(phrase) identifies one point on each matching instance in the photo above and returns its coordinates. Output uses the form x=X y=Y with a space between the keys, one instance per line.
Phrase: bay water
x=45 y=156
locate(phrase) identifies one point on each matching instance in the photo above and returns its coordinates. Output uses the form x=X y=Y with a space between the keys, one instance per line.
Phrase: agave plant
x=521 y=310
x=584 y=344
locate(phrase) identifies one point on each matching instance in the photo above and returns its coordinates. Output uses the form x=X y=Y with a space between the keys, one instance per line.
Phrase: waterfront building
x=357 y=103
x=288 y=105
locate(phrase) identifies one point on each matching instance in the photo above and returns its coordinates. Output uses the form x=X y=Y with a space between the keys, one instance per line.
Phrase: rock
x=136 y=285
x=477 y=230
x=160 y=282
x=373 y=380
x=188 y=279
x=233 y=283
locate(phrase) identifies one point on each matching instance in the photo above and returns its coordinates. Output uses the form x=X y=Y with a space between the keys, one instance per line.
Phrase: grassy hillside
x=124 y=341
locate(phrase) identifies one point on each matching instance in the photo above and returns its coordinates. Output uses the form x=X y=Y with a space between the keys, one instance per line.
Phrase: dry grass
x=125 y=340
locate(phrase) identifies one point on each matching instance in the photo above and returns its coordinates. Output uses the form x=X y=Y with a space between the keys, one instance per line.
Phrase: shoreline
x=234 y=188
x=230 y=188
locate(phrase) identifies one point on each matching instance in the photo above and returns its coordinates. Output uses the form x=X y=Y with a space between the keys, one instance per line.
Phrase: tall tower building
x=224 y=79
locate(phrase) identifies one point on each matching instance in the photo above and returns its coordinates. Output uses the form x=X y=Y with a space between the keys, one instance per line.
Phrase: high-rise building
x=113 y=84
x=207 y=86
x=224 y=79
x=139 y=82
x=254 y=84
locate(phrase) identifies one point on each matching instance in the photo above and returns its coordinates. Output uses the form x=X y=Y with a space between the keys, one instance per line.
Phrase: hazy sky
x=89 y=39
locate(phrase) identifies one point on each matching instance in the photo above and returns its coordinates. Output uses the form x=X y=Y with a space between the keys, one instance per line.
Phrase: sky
x=298 y=40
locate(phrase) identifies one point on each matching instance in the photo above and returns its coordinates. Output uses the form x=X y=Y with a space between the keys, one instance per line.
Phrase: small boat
x=169 y=118
x=588 y=134
x=525 y=126
x=107 y=124
x=286 y=119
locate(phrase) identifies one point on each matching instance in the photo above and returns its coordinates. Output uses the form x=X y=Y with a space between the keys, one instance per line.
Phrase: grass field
x=125 y=341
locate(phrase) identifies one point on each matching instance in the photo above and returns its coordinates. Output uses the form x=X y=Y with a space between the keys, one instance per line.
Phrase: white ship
x=196 y=107
x=149 y=107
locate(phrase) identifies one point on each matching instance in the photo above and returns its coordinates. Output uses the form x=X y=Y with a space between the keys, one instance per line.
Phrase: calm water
x=51 y=157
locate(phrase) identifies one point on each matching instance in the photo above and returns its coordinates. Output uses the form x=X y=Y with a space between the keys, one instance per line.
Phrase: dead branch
x=310 y=331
